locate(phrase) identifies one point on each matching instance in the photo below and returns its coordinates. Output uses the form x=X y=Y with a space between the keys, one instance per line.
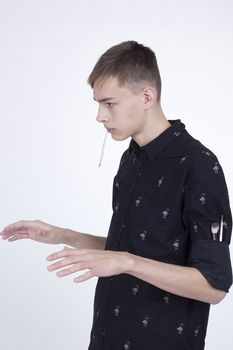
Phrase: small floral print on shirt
x=207 y=153
x=116 y=206
x=180 y=328
x=117 y=310
x=138 y=201
x=196 y=331
x=117 y=184
x=135 y=289
x=127 y=345
x=145 y=322
x=195 y=227
x=183 y=159
x=166 y=298
x=165 y=213
x=176 y=133
x=176 y=244
x=202 y=198
x=143 y=235
x=160 y=181
x=216 y=168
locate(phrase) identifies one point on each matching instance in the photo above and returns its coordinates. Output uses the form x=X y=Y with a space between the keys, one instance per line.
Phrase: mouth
x=110 y=130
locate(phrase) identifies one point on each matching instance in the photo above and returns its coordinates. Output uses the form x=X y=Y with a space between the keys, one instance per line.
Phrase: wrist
x=129 y=262
x=66 y=236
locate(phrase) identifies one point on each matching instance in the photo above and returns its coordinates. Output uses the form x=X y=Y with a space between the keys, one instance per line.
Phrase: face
x=120 y=111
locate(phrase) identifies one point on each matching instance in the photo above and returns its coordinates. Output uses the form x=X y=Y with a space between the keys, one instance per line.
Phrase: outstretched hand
x=99 y=263
x=35 y=230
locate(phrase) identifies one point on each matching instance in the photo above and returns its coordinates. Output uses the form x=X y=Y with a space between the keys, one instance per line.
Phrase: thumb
x=65 y=248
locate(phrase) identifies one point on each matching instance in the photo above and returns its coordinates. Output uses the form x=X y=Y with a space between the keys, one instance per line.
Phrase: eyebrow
x=104 y=99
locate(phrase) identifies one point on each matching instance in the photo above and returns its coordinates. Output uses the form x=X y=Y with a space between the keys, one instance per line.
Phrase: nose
x=102 y=115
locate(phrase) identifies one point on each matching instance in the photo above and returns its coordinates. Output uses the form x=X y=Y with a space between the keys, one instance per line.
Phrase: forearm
x=83 y=240
x=184 y=281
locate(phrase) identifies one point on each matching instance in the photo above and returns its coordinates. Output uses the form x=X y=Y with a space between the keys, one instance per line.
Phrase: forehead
x=109 y=88
x=106 y=82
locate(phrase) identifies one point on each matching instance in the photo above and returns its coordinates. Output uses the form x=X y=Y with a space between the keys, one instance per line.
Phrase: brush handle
x=221 y=230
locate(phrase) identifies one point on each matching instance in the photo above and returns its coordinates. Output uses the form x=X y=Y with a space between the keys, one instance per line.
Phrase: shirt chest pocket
x=157 y=242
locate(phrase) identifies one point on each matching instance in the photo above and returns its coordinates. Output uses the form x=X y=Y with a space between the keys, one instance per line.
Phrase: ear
x=149 y=96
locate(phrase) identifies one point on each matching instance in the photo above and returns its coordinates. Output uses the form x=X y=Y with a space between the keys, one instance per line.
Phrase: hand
x=35 y=230
x=99 y=263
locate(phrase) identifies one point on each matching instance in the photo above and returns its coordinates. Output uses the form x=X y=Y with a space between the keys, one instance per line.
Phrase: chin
x=119 y=137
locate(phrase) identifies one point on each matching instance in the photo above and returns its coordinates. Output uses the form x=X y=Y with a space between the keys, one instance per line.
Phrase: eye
x=109 y=104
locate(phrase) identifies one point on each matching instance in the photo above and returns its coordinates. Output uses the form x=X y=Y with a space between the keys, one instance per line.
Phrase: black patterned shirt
x=166 y=196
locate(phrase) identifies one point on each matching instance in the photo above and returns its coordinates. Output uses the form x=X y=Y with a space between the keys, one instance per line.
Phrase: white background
x=50 y=142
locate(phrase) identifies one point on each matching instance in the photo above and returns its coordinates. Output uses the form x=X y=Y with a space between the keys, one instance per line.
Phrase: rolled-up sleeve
x=206 y=201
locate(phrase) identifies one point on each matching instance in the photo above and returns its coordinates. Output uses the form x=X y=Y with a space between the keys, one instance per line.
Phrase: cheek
x=131 y=116
x=133 y=112
x=134 y=117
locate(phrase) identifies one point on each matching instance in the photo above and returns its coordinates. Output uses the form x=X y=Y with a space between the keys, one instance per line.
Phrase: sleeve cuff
x=212 y=259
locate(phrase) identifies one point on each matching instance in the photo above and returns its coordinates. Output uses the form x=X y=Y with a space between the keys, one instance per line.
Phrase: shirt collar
x=157 y=145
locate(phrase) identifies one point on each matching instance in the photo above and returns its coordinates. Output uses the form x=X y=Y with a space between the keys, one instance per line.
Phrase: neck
x=155 y=124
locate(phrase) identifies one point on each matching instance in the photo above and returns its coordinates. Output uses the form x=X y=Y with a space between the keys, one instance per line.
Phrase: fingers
x=84 y=277
x=76 y=266
x=62 y=263
x=72 y=269
x=61 y=254
x=13 y=236
x=80 y=259
x=67 y=251
x=71 y=256
x=17 y=237
x=22 y=224
x=18 y=230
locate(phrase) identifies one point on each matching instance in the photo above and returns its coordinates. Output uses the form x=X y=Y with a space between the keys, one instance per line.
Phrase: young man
x=166 y=257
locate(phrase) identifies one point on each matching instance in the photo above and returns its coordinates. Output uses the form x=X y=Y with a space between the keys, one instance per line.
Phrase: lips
x=110 y=129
